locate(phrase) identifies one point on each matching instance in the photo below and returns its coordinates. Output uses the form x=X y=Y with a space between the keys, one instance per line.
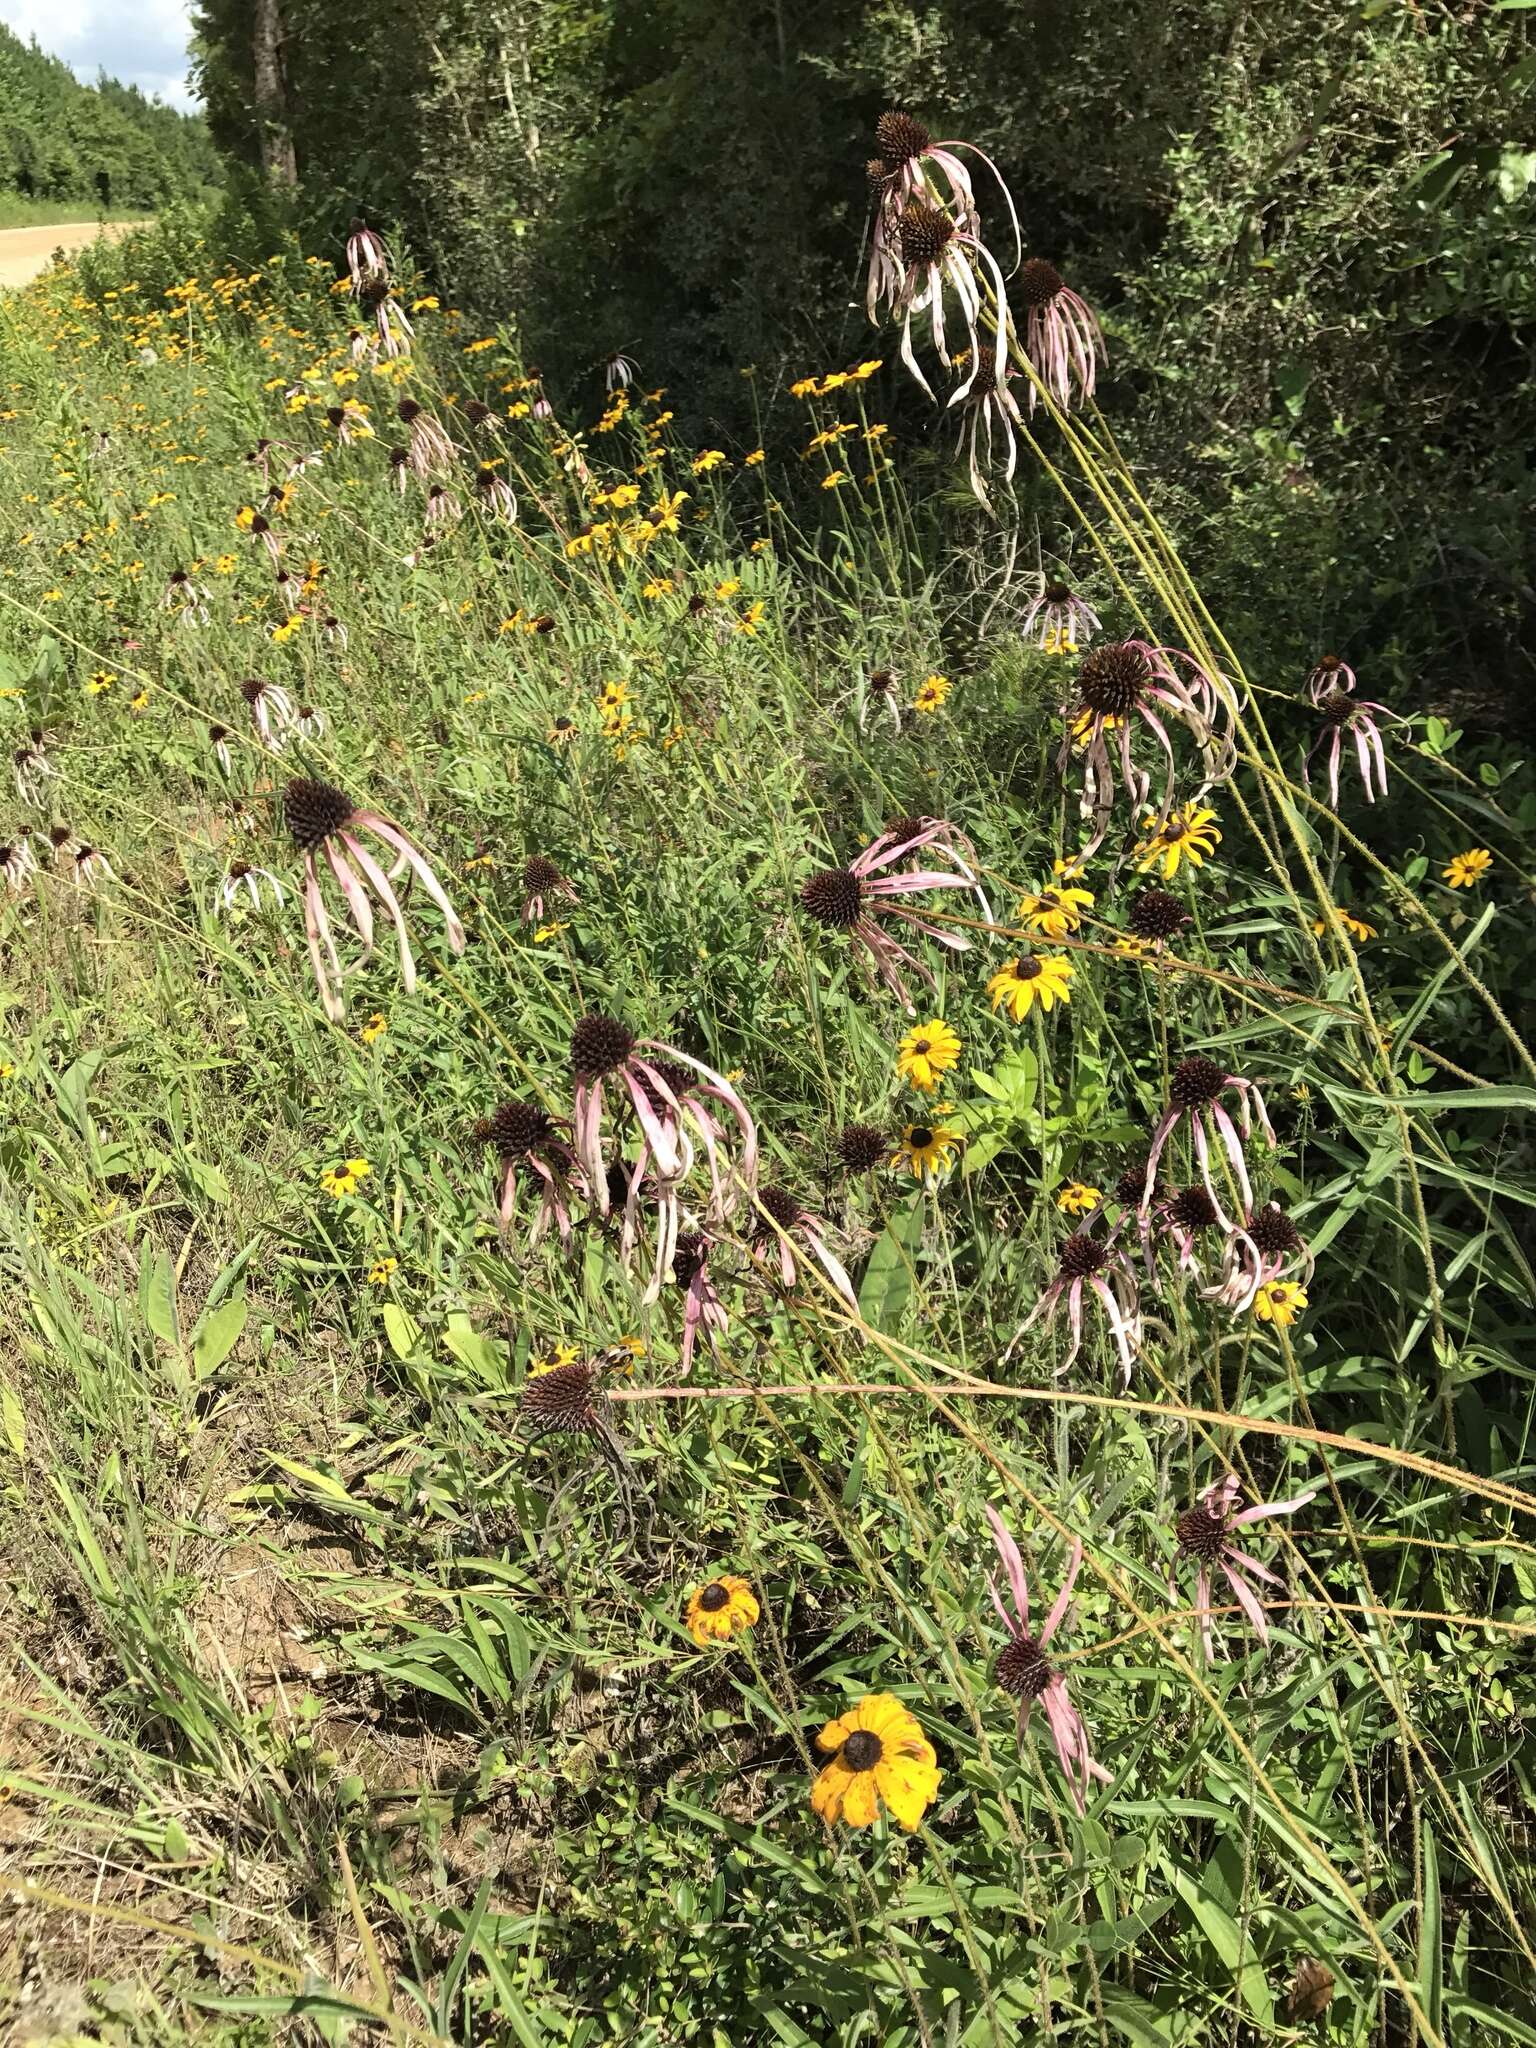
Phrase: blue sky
x=142 y=42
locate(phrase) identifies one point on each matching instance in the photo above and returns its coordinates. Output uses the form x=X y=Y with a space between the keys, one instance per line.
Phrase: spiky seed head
x=58 y=835
x=1128 y=1188
x=335 y=415
x=925 y=233
x=1023 y=1669
x=676 y=1076
x=834 y=898
x=398 y=458
x=1197 y=1082
x=1081 y=1256
x=485 y=476
x=218 y=734
x=1335 y=707
x=1057 y=592
x=1273 y=1232
x=314 y=810
x=476 y=411
x=899 y=138
x=1039 y=283
x=408 y=410
x=1202 y=1533
x=515 y=1129
x=882 y=681
x=1328 y=664
x=861 y=1147
x=562 y=1399
x=253 y=689
x=901 y=829
x=540 y=875
x=876 y=171
x=1113 y=677
x=598 y=1045
x=781 y=1206
x=1193 y=1209
x=178 y=577
x=1154 y=914
x=688 y=1256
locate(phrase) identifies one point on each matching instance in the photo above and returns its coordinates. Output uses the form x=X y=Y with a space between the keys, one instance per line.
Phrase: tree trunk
x=273 y=132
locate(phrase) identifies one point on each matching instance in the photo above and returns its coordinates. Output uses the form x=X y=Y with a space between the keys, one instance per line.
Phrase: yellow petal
x=860 y=1801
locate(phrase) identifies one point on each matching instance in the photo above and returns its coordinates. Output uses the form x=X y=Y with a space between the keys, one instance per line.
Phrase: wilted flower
x=1099 y=1264
x=443 y=508
x=494 y=493
x=1260 y=1253
x=32 y=771
x=525 y=1135
x=1063 y=618
x=1061 y=336
x=877 y=696
x=1355 y=716
x=429 y=450
x=783 y=1222
x=1196 y=1090
x=393 y=331
x=1331 y=673
x=619 y=372
x=989 y=413
x=847 y=899
x=324 y=819
x=702 y=1306
x=1024 y=1671
x=1204 y=1533
x=542 y=880
x=245 y=880
x=17 y=861
x=187 y=599
x=271 y=710
x=90 y=867
x=1126 y=681
x=218 y=739
x=367 y=257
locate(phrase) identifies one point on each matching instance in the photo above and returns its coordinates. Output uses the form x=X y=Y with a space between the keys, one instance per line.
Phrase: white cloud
x=143 y=43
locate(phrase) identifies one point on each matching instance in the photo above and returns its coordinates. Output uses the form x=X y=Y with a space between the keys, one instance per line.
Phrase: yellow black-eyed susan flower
x=346 y=1178
x=1077 y=1198
x=931 y=694
x=927 y=1051
x=375 y=1027
x=720 y=1610
x=1189 y=834
x=1279 y=1301
x=1467 y=869
x=881 y=1758
x=926 y=1149
x=1055 y=912
x=1031 y=979
x=1355 y=926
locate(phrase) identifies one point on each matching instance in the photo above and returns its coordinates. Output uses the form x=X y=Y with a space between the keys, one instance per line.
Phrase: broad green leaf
x=157 y=1294
x=217 y=1335
x=887 y=1282
x=13 y=1420
x=403 y=1332
x=1431 y=1954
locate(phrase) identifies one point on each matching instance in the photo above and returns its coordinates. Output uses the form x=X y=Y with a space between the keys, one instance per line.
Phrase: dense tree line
x=105 y=145
x=1307 y=229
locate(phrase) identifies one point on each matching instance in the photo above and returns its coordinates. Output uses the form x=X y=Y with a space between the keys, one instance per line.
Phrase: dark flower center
x=901 y=829
x=899 y=138
x=485 y=476
x=920 y=1137
x=1197 y=1082
x=314 y=810
x=563 y=724
x=178 y=577
x=925 y=232
x=1081 y=1256
x=397 y=458
x=861 y=1147
x=239 y=870
x=1039 y=282
x=1335 y=707
x=1112 y=679
x=1026 y=969
x=1128 y=1188
x=714 y=1597
x=1329 y=664
x=540 y=875
x=882 y=680
x=476 y=411
x=1202 y=1534
x=217 y=733
x=1057 y=593
x=561 y=1399
x=1023 y=1669
x=781 y=1205
x=862 y=1750
x=1155 y=914
x=1193 y=1209
x=688 y=1257
x=515 y=1129
x=834 y=898
x=408 y=410
x=1273 y=1231
x=598 y=1045
x=335 y=414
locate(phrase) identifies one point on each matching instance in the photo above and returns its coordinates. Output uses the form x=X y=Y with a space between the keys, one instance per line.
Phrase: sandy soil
x=26 y=251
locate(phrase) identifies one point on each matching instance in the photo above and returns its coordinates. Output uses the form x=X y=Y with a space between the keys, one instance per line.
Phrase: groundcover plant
x=731 y=1317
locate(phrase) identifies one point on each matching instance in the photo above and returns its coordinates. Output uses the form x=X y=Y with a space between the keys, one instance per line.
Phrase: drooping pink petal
x=1060 y=1603
x=1013 y=1565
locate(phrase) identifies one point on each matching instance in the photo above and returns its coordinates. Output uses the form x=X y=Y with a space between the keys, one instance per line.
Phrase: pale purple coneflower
x=495 y=493
x=90 y=866
x=1064 y=618
x=334 y=631
x=702 y=1307
x=1129 y=680
x=1204 y=1534
x=1187 y=1216
x=367 y=257
x=17 y=861
x=260 y=529
x=853 y=898
x=324 y=819
x=260 y=458
x=271 y=711
x=990 y=412
x=218 y=739
x=1025 y=1672
x=668 y=1091
x=1061 y=336
x=358 y=344
x=1343 y=714
x=290 y=592
x=348 y=424
x=309 y=722
x=60 y=843
x=392 y=331
x=245 y=880
x=479 y=414
x=526 y=1136
x=1195 y=1092
x=1265 y=1247
x=782 y=1225
x=429 y=450
x=1331 y=672
x=619 y=372
x=32 y=771
x=542 y=881
x=877 y=698
x=443 y=507
x=938 y=251
x=1098 y=1264
x=399 y=470
x=187 y=599
x=899 y=173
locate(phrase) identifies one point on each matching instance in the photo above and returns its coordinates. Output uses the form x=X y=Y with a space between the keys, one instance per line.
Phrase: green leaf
x=13 y=1420
x=887 y=1280
x=174 y=1846
x=403 y=1332
x=157 y=1295
x=1431 y=1957
x=479 y=1353
x=217 y=1335
x=1224 y=1935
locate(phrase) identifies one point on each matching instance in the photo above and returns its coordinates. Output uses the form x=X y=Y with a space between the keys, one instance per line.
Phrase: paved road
x=26 y=251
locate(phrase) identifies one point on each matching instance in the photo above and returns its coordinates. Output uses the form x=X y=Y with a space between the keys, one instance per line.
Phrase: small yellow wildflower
x=1189 y=834
x=1078 y=1199
x=1024 y=982
x=1467 y=869
x=1055 y=912
x=723 y=1608
x=1279 y=1301
x=927 y=1051
x=925 y=1149
x=751 y=461
x=546 y=932
x=931 y=694
x=1355 y=926
x=833 y=478
x=375 y=1027
x=711 y=458
x=881 y=1755
x=346 y=1178
x=381 y=1274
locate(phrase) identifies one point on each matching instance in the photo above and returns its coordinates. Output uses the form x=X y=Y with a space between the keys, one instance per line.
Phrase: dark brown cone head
x=925 y=233
x=314 y=810
x=516 y=1129
x=598 y=1045
x=1201 y=1534
x=833 y=898
x=781 y=1206
x=1056 y=592
x=397 y=458
x=540 y=875
x=562 y=1399
x=862 y=1750
x=485 y=476
x=876 y=171
x=861 y=1147
x=1081 y=1256
x=408 y=410
x=714 y=1597
x=882 y=681
x=1335 y=707
x=1039 y=282
x=476 y=411
x=901 y=829
x=252 y=688
x=1112 y=679
x=1133 y=1179
x=1197 y=1082
x=1273 y=1232
x=1193 y=1209
x=1023 y=1669
x=899 y=138
x=689 y=1255
x=1154 y=914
